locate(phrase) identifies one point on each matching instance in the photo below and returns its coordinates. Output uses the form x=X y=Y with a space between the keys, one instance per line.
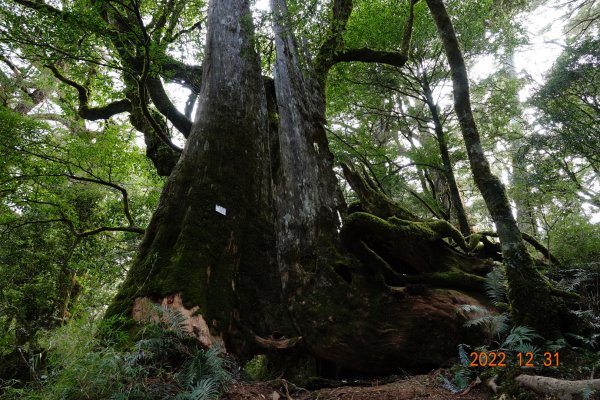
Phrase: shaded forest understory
x=211 y=199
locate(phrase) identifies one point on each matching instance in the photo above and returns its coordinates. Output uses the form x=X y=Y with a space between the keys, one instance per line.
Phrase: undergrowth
x=581 y=351
x=163 y=362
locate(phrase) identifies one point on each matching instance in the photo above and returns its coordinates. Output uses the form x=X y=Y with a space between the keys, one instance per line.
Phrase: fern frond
x=447 y=384
x=496 y=323
x=590 y=342
x=518 y=336
x=206 y=389
x=462 y=354
x=473 y=308
x=462 y=378
x=587 y=393
x=555 y=345
x=495 y=285
x=526 y=348
x=171 y=320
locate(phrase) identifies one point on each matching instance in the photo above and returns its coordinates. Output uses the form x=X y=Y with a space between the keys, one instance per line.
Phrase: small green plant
x=510 y=341
x=257 y=368
x=496 y=290
x=164 y=362
x=588 y=394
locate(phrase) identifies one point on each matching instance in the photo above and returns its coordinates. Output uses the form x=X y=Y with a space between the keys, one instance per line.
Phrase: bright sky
x=262 y=4
x=546 y=38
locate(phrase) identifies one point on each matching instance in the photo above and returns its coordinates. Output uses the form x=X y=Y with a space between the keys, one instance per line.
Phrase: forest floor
x=412 y=387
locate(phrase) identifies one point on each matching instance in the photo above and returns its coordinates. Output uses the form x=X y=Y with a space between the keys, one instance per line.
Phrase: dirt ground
x=414 y=387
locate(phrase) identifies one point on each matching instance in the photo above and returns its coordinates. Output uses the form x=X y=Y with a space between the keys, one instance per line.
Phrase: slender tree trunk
x=529 y=294
x=521 y=194
x=457 y=203
x=520 y=186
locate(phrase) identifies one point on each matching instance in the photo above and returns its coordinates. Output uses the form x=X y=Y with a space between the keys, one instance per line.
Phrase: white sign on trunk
x=220 y=210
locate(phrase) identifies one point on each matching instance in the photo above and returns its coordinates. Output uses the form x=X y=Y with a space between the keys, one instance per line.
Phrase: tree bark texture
x=562 y=389
x=347 y=321
x=272 y=273
x=529 y=294
x=214 y=257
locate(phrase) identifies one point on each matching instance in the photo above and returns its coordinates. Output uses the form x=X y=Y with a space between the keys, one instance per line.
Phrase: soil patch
x=413 y=387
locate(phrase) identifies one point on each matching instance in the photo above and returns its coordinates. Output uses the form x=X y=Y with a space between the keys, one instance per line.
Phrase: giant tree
x=251 y=240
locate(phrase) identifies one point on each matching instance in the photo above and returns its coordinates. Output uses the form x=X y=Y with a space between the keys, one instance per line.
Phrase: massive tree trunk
x=529 y=293
x=274 y=268
x=210 y=241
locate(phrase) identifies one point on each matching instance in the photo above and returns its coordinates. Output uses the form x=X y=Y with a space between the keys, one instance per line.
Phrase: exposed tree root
x=564 y=390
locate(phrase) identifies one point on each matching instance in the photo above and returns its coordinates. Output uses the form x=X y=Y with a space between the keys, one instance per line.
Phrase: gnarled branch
x=162 y=102
x=334 y=50
x=85 y=111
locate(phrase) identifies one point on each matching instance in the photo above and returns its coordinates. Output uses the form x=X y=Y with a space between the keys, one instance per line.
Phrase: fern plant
x=205 y=389
x=496 y=286
x=496 y=289
x=520 y=339
x=511 y=341
x=199 y=373
x=165 y=362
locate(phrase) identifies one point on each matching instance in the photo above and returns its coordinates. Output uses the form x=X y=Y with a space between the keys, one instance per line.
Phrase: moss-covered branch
x=398 y=251
x=372 y=200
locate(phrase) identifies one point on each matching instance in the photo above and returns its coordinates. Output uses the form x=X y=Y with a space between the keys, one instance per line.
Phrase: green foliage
x=587 y=394
x=455 y=384
x=165 y=362
x=520 y=339
x=496 y=288
x=570 y=113
x=585 y=281
x=496 y=323
x=576 y=241
x=55 y=184
x=257 y=368
x=56 y=177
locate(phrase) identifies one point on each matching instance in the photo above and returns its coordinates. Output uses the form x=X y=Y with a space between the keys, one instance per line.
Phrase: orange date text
x=499 y=359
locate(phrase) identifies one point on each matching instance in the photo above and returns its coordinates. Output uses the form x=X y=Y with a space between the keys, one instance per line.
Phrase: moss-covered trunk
x=529 y=293
x=210 y=241
x=345 y=313
x=246 y=238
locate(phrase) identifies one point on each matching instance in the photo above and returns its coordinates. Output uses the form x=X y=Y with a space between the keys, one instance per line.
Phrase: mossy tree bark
x=529 y=293
x=273 y=273
x=219 y=260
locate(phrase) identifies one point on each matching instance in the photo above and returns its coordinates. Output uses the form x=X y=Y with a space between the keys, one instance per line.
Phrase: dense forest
x=205 y=199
